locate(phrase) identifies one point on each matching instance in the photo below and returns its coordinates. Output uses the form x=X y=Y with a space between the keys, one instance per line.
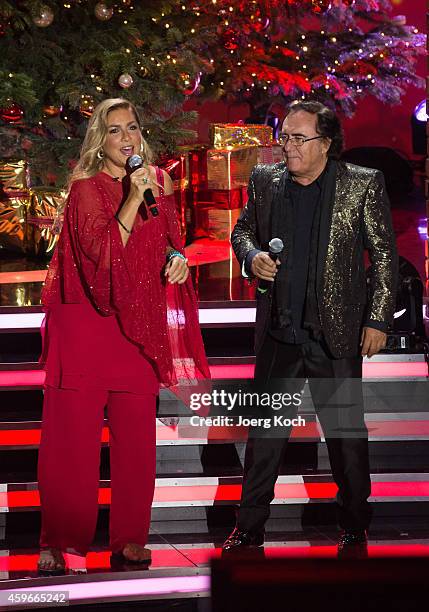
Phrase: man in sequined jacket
x=317 y=319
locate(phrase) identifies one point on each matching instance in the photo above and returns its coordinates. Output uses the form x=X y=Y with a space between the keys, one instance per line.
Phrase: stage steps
x=199 y=473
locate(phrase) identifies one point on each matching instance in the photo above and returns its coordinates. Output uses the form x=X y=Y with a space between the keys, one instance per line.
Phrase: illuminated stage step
x=185 y=573
x=225 y=491
x=173 y=584
x=382 y=427
x=14 y=565
x=211 y=314
x=411 y=367
x=216 y=314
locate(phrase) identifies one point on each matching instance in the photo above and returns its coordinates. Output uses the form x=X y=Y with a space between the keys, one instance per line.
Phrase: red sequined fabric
x=91 y=265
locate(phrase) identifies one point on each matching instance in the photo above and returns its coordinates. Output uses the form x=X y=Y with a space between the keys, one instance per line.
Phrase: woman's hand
x=177 y=270
x=140 y=180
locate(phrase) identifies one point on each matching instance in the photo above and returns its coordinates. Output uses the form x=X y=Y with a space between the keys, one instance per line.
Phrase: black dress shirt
x=305 y=199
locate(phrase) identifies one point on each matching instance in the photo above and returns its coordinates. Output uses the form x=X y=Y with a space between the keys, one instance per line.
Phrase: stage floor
x=199 y=478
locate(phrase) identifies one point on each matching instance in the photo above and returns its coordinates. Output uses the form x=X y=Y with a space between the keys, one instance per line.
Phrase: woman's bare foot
x=136 y=553
x=51 y=560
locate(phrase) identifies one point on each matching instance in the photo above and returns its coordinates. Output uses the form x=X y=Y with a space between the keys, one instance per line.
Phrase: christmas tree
x=58 y=59
x=335 y=51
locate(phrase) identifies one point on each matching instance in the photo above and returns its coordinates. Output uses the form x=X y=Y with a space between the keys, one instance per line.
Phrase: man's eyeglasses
x=297 y=141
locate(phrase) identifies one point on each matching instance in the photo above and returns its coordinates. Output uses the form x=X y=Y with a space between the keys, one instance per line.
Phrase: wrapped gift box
x=13 y=212
x=230 y=168
x=226 y=199
x=277 y=153
x=224 y=135
x=43 y=220
x=214 y=223
x=14 y=177
x=178 y=169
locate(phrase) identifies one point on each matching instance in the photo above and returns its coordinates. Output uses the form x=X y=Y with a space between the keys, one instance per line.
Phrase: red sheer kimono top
x=91 y=266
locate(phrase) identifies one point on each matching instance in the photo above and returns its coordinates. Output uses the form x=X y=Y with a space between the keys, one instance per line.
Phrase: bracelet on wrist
x=129 y=231
x=172 y=254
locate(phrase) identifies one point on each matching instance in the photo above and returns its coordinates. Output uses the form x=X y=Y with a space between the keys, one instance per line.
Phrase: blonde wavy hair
x=90 y=161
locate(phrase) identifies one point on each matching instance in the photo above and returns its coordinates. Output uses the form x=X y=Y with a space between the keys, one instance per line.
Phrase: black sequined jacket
x=358 y=219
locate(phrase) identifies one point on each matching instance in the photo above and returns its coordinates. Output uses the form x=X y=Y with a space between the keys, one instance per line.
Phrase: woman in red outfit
x=121 y=319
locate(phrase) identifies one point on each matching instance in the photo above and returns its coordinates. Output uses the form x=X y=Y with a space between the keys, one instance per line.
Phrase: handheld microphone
x=134 y=162
x=275 y=248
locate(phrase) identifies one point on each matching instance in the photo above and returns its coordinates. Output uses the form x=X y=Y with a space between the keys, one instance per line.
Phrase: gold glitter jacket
x=358 y=219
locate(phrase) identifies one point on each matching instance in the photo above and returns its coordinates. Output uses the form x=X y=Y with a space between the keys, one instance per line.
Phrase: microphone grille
x=134 y=161
x=276 y=245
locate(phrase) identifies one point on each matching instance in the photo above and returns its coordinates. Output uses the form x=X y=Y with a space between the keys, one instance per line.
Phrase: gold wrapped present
x=14 y=176
x=13 y=213
x=221 y=223
x=224 y=135
x=230 y=168
x=43 y=220
x=270 y=155
x=277 y=153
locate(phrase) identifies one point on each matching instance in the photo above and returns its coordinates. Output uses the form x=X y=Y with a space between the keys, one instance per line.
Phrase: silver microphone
x=276 y=246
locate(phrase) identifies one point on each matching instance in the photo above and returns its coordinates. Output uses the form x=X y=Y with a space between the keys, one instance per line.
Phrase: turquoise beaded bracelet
x=175 y=254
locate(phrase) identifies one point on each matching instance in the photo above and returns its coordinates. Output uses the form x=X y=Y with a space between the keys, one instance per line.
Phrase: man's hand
x=264 y=267
x=372 y=341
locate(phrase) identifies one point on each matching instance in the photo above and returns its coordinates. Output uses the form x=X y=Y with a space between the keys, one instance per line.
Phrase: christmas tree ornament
x=12 y=113
x=26 y=144
x=51 y=111
x=188 y=85
x=3 y=28
x=44 y=16
x=260 y=21
x=125 y=80
x=230 y=39
x=399 y=20
x=321 y=6
x=87 y=105
x=103 y=12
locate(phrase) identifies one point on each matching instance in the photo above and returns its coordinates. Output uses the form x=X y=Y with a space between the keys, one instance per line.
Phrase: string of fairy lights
x=277 y=48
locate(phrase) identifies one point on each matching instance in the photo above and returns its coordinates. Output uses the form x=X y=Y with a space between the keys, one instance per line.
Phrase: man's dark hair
x=328 y=124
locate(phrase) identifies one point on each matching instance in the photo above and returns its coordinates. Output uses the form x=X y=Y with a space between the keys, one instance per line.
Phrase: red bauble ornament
x=320 y=6
x=86 y=106
x=189 y=84
x=51 y=111
x=230 y=39
x=12 y=113
x=260 y=22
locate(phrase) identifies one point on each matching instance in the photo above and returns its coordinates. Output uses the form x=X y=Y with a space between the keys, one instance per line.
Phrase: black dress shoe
x=239 y=540
x=352 y=538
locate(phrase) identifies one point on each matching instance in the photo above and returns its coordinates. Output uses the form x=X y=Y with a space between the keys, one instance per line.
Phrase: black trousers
x=336 y=390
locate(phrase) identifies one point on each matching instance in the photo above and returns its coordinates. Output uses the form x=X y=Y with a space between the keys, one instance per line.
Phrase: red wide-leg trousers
x=69 y=465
